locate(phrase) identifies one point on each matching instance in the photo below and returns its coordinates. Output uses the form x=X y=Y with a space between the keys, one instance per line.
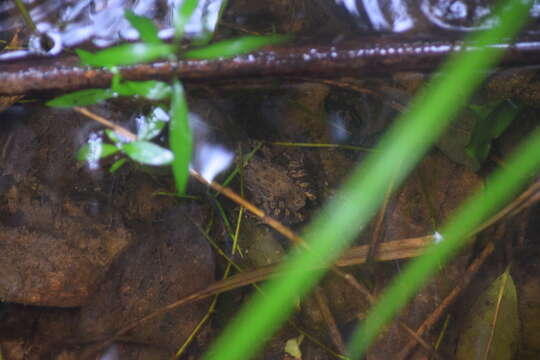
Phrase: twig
x=228 y=192
x=335 y=335
x=119 y=129
x=377 y=231
x=364 y=56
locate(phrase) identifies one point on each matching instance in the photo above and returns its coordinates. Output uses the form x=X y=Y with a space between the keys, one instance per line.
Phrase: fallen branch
x=364 y=56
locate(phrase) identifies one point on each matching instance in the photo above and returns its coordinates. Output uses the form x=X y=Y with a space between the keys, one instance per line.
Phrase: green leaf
x=492 y=326
x=147 y=153
x=493 y=119
x=233 y=47
x=117 y=165
x=182 y=16
x=180 y=138
x=126 y=54
x=95 y=150
x=82 y=98
x=151 y=125
x=116 y=137
x=153 y=90
x=146 y=27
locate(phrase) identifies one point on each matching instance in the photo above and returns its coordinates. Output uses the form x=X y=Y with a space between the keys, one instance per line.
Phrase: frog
x=280 y=190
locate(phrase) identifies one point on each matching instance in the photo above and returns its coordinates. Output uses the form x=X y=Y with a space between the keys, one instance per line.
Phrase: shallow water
x=59 y=206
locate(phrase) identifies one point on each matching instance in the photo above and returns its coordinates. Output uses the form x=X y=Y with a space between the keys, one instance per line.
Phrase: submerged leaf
x=180 y=138
x=82 y=98
x=146 y=27
x=152 y=90
x=233 y=47
x=94 y=151
x=492 y=327
x=182 y=16
x=148 y=153
x=292 y=347
x=493 y=119
x=126 y=54
x=151 y=125
x=116 y=137
x=117 y=165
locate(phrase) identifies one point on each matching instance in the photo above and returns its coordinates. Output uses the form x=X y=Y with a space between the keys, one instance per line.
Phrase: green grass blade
x=180 y=139
x=353 y=206
x=233 y=47
x=26 y=16
x=82 y=98
x=146 y=27
x=126 y=54
x=182 y=16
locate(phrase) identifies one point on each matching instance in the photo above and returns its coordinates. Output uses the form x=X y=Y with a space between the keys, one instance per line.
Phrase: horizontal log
x=366 y=56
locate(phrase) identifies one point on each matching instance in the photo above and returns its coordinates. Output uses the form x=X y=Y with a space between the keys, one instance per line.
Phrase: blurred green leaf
x=233 y=47
x=146 y=27
x=126 y=54
x=182 y=16
x=151 y=125
x=117 y=165
x=82 y=98
x=493 y=119
x=180 y=138
x=491 y=329
x=152 y=90
x=94 y=151
x=116 y=137
x=147 y=153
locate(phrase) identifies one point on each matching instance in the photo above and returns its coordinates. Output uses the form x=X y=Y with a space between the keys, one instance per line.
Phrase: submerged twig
x=119 y=129
x=329 y=319
x=365 y=56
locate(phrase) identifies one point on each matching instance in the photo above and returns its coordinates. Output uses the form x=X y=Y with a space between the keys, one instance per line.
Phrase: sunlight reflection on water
x=67 y=23
x=401 y=15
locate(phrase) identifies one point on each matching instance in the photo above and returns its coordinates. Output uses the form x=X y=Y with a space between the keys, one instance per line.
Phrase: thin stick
x=321 y=145
x=119 y=129
x=335 y=335
x=228 y=192
x=26 y=16
x=377 y=231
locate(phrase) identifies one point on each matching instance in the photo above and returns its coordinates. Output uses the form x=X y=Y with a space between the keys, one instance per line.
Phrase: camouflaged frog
x=279 y=191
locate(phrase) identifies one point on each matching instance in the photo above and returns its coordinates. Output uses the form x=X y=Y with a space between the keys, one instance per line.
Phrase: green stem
x=26 y=16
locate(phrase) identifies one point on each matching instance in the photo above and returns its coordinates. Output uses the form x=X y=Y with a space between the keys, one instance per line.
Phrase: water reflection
x=209 y=157
x=111 y=353
x=66 y=23
x=401 y=15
